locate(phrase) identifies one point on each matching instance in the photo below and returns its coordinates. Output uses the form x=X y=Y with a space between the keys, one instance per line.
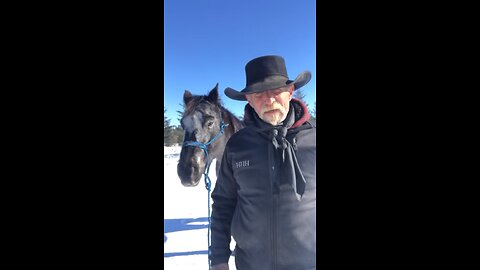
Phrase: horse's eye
x=210 y=124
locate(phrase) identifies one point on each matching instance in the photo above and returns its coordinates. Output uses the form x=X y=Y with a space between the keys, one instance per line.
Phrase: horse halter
x=208 y=183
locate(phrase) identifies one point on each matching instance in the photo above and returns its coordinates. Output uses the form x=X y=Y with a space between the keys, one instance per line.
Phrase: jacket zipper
x=274 y=206
x=275 y=215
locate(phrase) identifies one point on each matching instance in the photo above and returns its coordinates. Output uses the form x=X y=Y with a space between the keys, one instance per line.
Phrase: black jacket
x=255 y=203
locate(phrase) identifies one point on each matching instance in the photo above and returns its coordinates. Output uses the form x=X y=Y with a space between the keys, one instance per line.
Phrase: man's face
x=272 y=105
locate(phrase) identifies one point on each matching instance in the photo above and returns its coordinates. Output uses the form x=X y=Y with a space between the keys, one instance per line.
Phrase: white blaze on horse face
x=188 y=123
x=193 y=123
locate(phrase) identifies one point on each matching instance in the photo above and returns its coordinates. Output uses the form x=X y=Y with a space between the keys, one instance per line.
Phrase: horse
x=207 y=127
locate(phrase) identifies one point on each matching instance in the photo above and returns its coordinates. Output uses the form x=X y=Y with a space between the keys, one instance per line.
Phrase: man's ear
x=292 y=88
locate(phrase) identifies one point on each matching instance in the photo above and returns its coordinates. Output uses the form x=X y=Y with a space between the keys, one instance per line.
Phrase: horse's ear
x=187 y=96
x=213 y=95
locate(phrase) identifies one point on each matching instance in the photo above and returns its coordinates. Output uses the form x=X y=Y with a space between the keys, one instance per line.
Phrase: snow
x=185 y=218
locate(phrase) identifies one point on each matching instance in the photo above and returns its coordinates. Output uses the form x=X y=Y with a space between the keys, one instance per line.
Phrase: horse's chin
x=189 y=175
x=191 y=183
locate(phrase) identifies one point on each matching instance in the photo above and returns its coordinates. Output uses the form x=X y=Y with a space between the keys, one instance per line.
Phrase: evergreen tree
x=167 y=129
x=180 y=113
x=177 y=135
x=298 y=94
x=313 y=112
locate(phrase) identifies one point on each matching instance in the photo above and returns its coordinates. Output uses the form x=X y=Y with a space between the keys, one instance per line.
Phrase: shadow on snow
x=199 y=252
x=183 y=224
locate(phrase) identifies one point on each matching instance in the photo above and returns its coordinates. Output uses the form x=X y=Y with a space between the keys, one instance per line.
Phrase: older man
x=265 y=195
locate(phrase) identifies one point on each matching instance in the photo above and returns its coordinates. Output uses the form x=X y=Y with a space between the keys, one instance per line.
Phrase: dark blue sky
x=210 y=41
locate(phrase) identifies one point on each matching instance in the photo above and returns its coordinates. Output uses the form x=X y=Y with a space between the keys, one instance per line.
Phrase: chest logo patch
x=240 y=164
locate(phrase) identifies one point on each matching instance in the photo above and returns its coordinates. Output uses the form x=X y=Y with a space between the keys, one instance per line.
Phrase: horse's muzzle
x=190 y=176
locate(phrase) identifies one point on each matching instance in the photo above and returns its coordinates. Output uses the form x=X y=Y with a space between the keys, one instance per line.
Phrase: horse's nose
x=189 y=174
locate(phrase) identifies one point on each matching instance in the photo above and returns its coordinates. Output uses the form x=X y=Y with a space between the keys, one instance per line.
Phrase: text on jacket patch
x=244 y=163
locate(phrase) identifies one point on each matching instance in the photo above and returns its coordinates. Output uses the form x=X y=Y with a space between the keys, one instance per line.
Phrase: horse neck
x=234 y=123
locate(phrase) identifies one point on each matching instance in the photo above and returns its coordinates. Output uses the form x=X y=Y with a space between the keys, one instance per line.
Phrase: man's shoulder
x=239 y=135
x=243 y=138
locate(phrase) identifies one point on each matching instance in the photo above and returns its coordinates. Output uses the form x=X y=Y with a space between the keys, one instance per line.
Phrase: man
x=265 y=195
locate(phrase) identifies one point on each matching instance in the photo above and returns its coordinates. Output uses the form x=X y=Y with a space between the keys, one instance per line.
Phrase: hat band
x=267 y=78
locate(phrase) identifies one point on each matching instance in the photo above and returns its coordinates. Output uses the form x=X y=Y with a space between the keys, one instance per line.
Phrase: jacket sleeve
x=224 y=198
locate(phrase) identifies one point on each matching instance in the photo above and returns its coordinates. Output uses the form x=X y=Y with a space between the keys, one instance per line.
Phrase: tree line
x=298 y=94
x=172 y=134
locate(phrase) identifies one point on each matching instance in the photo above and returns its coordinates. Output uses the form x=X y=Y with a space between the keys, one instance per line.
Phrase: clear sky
x=210 y=41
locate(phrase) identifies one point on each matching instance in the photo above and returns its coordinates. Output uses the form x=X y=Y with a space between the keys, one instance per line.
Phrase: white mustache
x=274 y=106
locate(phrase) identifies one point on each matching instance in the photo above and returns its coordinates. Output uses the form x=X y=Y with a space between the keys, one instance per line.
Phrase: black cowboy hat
x=265 y=73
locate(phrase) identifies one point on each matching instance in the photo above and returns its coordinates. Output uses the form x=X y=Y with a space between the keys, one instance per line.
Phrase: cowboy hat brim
x=272 y=82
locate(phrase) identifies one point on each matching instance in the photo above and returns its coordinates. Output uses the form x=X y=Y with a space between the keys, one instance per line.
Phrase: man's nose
x=270 y=99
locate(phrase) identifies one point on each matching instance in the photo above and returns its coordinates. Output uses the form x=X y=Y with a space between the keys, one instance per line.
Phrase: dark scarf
x=283 y=140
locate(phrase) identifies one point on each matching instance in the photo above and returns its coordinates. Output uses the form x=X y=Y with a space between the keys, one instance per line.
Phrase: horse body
x=201 y=122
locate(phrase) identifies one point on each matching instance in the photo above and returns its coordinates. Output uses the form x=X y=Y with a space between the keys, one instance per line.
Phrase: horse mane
x=236 y=123
x=195 y=100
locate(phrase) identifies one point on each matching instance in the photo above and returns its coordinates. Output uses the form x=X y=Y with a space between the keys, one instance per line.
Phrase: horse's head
x=201 y=122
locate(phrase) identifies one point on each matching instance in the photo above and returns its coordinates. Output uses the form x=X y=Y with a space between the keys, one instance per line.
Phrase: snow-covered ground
x=185 y=218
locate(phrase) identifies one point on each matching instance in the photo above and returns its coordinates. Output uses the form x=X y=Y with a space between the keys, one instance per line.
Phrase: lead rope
x=208 y=183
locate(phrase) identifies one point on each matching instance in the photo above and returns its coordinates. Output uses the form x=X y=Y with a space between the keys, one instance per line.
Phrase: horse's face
x=200 y=122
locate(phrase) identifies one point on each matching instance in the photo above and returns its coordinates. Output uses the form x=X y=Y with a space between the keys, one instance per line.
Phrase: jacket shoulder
x=237 y=136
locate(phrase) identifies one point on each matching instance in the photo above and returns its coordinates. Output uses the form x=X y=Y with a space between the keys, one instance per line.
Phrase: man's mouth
x=272 y=111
